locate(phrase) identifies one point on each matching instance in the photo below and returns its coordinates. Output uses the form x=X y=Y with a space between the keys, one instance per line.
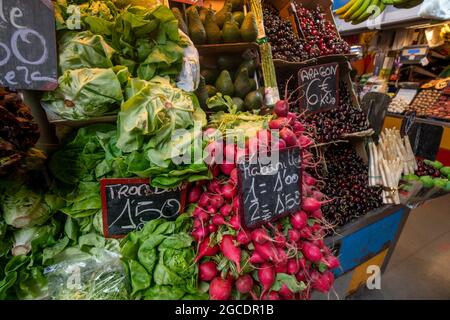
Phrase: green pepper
x=427 y=181
x=445 y=171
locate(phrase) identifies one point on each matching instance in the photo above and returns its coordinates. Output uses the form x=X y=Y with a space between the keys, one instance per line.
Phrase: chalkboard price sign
x=270 y=191
x=127 y=204
x=320 y=87
x=28 y=45
x=425 y=139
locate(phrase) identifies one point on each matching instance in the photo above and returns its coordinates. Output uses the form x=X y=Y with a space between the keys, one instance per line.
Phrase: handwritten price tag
x=127 y=204
x=28 y=45
x=270 y=191
x=320 y=86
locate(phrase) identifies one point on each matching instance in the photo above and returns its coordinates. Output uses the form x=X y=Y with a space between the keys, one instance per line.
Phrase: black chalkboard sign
x=127 y=204
x=375 y=105
x=319 y=87
x=270 y=191
x=425 y=139
x=28 y=45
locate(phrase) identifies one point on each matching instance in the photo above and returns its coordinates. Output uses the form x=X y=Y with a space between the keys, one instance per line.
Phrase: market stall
x=194 y=150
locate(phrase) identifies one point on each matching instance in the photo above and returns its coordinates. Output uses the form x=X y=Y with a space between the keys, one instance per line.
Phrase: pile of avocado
x=428 y=181
x=228 y=25
x=232 y=76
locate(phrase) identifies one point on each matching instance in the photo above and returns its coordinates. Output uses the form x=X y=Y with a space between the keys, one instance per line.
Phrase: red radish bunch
x=253 y=264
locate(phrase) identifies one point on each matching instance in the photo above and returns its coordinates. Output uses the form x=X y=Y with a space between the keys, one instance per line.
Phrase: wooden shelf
x=211 y=49
x=281 y=64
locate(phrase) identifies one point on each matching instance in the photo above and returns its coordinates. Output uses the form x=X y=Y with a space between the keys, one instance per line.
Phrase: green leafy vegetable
x=160 y=259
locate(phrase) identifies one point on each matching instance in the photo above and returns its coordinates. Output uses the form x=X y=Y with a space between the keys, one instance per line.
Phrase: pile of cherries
x=424 y=169
x=318 y=36
x=332 y=124
x=319 y=32
x=286 y=45
x=346 y=181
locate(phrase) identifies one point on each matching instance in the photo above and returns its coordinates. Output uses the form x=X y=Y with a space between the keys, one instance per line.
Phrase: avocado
x=181 y=23
x=250 y=65
x=228 y=61
x=253 y=100
x=222 y=13
x=197 y=32
x=211 y=90
x=213 y=33
x=202 y=93
x=238 y=16
x=230 y=30
x=242 y=84
x=239 y=103
x=249 y=29
x=224 y=84
x=210 y=75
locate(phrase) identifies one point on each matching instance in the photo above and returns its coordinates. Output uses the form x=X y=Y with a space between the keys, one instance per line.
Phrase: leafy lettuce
x=160 y=260
x=144 y=41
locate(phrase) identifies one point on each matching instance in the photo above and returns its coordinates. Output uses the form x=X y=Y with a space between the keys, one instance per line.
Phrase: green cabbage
x=23 y=207
x=85 y=93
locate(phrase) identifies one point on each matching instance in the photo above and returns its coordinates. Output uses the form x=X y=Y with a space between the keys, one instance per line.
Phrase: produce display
x=431 y=174
x=319 y=31
x=431 y=168
x=160 y=261
x=318 y=36
x=125 y=60
x=286 y=259
x=424 y=100
x=228 y=25
x=229 y=84
x=18 y=130
x=333 y=124
x=441 y=108
x=358 y=11
x=346 y=181
x=98 y=62
x=391 y=157
x=35 y=234
x=398 y=105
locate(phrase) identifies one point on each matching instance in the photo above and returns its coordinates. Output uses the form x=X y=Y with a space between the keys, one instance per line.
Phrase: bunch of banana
x=445 y=32
x=403 y=4
x=358 y=11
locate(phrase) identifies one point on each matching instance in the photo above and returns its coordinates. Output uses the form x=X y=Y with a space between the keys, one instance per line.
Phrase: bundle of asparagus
x=392 y=157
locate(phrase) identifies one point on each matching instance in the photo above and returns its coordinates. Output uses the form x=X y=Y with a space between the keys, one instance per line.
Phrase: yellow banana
x=360 y=11
x=345 y=7
x=352 y=10
x=372 y=8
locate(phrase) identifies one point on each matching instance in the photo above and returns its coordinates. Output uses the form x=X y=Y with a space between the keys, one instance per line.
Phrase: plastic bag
x=435 y=9
x=84 y=276
x=189 y=77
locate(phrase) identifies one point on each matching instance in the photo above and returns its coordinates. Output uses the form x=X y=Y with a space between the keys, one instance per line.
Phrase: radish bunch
x=286 y=259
